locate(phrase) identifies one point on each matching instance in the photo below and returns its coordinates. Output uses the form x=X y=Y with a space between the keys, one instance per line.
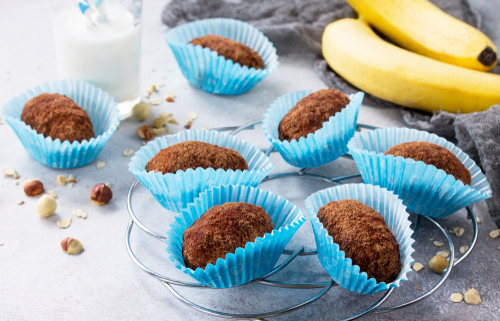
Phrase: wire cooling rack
x=293 y=254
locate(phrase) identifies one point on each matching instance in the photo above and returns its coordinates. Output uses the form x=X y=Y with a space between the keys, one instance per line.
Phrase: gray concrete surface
x=40 y=282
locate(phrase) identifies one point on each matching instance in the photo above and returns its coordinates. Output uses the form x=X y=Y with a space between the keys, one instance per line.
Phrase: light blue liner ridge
x=215 y=74
x=99 y=105
x=333 y=259
x=423 y=188
x=175 y=191
x=246 y=264
x=323 y=146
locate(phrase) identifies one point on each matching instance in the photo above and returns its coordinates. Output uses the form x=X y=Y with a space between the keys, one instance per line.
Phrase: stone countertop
x=40 y=282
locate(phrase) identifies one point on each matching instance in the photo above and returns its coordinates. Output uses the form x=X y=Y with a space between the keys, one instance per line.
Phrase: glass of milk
x=100 y=41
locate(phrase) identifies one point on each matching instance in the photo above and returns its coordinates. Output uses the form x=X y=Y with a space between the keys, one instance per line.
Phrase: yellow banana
x=386 y=71
x=421 y=27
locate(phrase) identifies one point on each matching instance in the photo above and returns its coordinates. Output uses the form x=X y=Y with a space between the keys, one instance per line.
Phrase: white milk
x=106 y=55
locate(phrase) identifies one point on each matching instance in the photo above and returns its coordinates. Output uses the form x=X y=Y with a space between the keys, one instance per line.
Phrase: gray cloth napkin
x=296 y=26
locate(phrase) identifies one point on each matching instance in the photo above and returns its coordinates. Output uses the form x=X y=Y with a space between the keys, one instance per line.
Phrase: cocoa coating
x=221 y=230
x=230 y=49
x=362 y=234
x=309 y=114
x=432 y=154
x=194 y=154
x=58 y=116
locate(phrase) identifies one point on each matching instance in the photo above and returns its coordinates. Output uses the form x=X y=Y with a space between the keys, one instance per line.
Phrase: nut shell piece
x=438 y=264
x=46 y=206
x=101 y=194
x=33 y=188
x=71 y=246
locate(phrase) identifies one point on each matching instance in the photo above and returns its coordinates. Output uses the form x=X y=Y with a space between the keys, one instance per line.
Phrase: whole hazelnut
x=141 y=111
x=46 y=206
x=71 y=245
x=33 y=188
x=101 y=194
x=438 y=264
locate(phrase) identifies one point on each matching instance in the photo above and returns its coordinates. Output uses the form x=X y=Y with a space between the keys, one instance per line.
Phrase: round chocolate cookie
x=194 y=154
x=362 y=234
x=58 y=116
x=432 y=154
x=230 y=49
x=221 y=230
x=309 y=114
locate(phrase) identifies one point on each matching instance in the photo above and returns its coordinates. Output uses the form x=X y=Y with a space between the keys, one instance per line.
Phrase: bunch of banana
x=437 y=74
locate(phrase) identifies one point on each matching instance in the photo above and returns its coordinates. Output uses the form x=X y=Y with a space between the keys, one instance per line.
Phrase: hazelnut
x=145 y=132
x=33 y=188
x=71 y=245
x=471 y=296
x=438 y=264
x=46 y=206
x=141 y=111
x=160 y=122
x=101 y=194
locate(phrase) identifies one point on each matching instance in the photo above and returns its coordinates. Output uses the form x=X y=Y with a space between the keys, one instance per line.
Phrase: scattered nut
x=46 y=206
x=145 y=132
x=154 y=101
x=160 y=122
x=160 y=84
x=16 y=183
x=494 y=234
x=20 y=202
x=165 y=114
x=159 y=131
x=478 y=220
x=61 y=179
x=419 y=288
x=444 y=253
x=417 y=266
x=169 y=99
x=128 y=152
x=482 y=252
x=471 y=296
x=100 y=164
x=458 y=231
x=456 y=297
x=64 y=223
x=170 y=94
x=101 y=194
x=71 y=178
x=149 y=90
x=188 y=125
x=172 y=120
x=438 y=264
x=141 y=111
x=70 y=184
x=192 y=116
x=80 y=213
x=438 y=244
x=52 y=194
x=33 y=188
x=464 y=249
x=71 y=245
x=10 y=172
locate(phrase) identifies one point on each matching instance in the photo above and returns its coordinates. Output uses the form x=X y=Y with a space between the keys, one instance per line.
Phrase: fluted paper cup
x=100 y=106
x=215 y=74
x=323 y=146
x=175 y=191
x=333 y=260
x=257 y=258
x=423 y=188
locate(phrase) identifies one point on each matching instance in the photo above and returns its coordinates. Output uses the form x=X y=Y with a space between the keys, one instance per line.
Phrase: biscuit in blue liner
x=100 y=106
x=175 y=191
x=215 y=74
x=257 y=258
x=333 y=259
x=323 y=146
x=423 y=188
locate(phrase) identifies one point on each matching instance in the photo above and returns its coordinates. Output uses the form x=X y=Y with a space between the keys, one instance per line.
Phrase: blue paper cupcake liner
x=175 y=191
x=246 y=264
x=333 y=259
x=101 y=108
x=215 y=74
x=423 y=188
x=323 y=146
